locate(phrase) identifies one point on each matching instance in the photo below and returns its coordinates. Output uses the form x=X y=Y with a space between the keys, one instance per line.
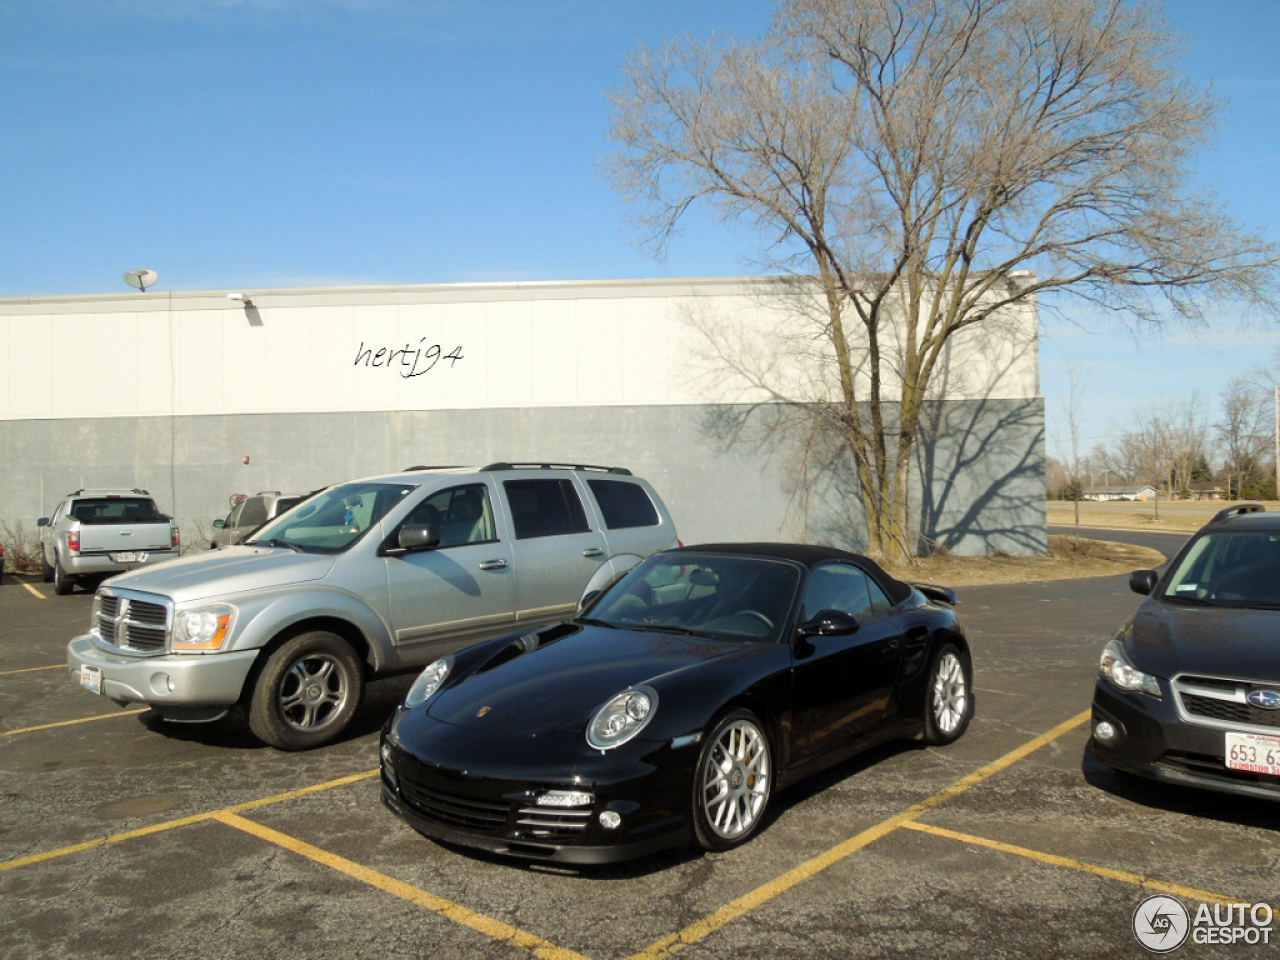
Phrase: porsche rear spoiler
x=939 y=594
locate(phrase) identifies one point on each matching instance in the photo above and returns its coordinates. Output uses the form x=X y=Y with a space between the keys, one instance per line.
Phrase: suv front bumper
x=172 y=681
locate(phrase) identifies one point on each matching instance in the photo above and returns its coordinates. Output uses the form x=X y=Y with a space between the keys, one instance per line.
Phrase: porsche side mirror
x=830 y=623
x=1143 y=581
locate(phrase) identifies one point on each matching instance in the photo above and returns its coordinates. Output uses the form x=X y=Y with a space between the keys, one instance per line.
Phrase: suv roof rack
x=1238 y=510
x=556 y=466
x=116 y=490
x=422 y=466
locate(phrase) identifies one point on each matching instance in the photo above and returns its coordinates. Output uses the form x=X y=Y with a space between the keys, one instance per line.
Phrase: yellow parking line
x=732 y=911
x=32 y=590
x=1160 y=886
x=494 y=929
x=71 y=723
x=184 y=821
x=10 y=673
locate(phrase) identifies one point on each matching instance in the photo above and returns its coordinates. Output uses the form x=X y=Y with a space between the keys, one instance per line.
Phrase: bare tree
x=928 y=164
x=1245 y=432
x=1069 y=447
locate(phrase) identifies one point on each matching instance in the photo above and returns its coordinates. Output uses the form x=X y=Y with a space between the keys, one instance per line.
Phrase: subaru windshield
x=1229 y=568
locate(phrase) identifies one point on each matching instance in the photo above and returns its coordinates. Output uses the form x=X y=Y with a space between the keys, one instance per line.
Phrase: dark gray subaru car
x=1189 y=690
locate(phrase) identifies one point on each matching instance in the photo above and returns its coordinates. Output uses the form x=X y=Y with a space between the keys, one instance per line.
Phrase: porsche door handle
x=493 y=564
x=593 y=552
x=891 y=648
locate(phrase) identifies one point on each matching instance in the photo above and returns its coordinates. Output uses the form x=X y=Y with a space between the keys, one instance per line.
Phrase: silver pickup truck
x=364 y=579
x=95 y=533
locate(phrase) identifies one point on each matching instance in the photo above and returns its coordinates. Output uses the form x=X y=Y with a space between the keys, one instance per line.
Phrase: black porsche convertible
x=676 y=705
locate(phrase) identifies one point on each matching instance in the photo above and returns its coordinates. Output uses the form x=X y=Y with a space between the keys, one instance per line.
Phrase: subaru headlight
x=428 y=682
x=622 y=718
x=202 y=628
x=1116 y=669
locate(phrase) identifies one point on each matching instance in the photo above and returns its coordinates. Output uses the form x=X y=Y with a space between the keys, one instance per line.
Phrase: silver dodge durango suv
x=364 y=579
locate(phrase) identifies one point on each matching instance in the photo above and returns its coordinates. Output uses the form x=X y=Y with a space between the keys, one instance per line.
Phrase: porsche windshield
x=1236 y=568
x=718 y=596
x=331 y=521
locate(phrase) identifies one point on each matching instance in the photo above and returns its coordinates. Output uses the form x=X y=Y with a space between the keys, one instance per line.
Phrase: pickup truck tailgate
x=100 y=538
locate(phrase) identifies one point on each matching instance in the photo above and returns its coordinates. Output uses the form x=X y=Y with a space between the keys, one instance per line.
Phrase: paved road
x=108 y=849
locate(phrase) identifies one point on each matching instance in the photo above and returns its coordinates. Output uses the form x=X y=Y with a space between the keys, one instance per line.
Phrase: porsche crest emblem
x=482 y=711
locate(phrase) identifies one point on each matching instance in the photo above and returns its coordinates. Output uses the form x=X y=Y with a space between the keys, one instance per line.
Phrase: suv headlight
x=428 y=682
x=622 y=718
x=1116 y=669
x=202 y=628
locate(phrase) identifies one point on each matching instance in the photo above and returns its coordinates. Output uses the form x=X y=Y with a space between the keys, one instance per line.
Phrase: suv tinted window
x=545 y=508
x=254 y=513
x=623 y=504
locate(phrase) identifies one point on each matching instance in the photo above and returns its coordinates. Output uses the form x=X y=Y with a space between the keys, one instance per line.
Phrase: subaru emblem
x=1266 y=699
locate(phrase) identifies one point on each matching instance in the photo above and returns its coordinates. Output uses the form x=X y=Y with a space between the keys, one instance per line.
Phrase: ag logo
x=1161 y=924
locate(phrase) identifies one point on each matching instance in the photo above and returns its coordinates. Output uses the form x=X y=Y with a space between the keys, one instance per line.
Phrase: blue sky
x=250 y=143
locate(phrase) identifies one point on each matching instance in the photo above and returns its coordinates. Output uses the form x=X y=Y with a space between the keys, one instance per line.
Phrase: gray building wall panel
x=984 y=462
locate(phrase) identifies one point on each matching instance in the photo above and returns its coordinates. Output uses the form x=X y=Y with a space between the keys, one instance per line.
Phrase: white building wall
x=522 y=345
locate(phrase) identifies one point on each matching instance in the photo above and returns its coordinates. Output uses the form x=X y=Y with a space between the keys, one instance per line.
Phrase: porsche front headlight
x=1115 y=668
x=428 y=682
x=622 y=718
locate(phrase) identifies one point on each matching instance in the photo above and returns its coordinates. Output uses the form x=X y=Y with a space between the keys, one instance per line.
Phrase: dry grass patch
x=1067 y=559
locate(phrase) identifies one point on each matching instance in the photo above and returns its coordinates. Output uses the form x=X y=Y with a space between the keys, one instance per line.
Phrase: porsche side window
x=839 y=586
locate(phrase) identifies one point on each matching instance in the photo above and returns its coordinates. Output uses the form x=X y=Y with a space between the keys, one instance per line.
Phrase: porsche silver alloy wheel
x=735 y=780
x=950 y=694
x=313 y=691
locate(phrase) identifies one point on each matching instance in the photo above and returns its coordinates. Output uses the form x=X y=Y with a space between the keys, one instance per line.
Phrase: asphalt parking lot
x=121 y=836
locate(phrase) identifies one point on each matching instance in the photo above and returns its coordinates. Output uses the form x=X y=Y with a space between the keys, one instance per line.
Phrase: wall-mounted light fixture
x=240 y=298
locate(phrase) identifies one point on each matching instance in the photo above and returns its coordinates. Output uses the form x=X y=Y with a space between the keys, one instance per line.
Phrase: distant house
x=1144 y=491
x=1207 y=490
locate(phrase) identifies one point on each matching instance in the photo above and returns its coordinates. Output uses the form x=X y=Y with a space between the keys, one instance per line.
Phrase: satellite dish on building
x=141 y=279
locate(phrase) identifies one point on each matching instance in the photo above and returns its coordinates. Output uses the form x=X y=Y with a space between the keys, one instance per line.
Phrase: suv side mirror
x=415 y=537
x=1143 y=581
x=219 y=524
x=830 y=623
x=42 y=522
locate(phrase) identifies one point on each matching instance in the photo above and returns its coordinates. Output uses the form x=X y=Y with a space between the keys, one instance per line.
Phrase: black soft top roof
x=808 y=555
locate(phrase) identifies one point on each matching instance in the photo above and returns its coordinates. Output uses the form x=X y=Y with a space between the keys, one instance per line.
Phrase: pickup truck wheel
x=62 y=584
x=46 y=571
x=307 y=693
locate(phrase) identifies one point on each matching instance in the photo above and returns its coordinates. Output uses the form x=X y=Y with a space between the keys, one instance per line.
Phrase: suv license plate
x=126 y=557
x=1253 y=753
x=91 y=678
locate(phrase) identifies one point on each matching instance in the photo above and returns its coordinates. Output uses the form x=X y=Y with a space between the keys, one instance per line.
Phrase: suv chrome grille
x=132 y=624
x=1220 y=702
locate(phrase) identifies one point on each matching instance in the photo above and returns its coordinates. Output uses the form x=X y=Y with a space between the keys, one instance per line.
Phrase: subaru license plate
x=1253 y=753
x=91 y=678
